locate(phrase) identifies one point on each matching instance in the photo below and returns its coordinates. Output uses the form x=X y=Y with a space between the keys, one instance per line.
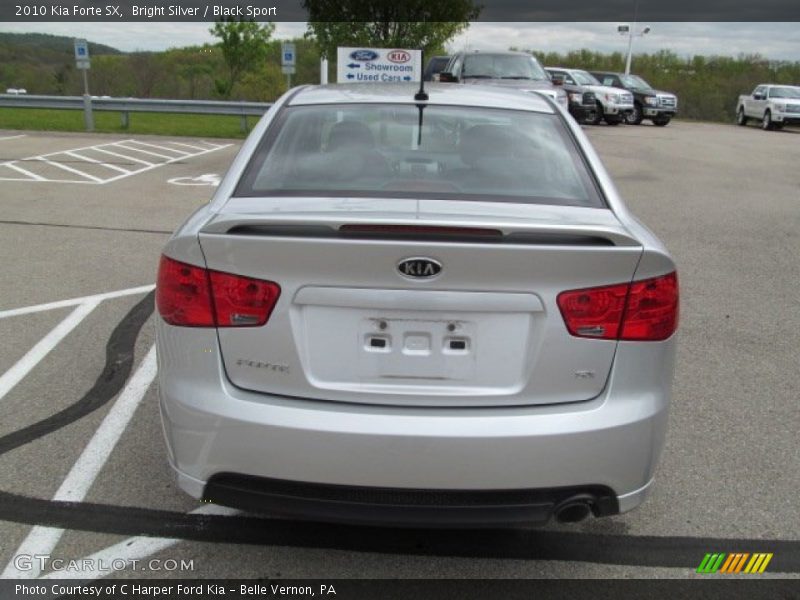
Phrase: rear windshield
x=379 y=150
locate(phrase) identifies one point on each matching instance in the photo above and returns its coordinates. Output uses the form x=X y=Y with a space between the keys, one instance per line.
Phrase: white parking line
x=96 y=162
x=24 y=365
x=135 y=149
x=42 y=540
x=121 y=149
x=14 y=312
x=125 y=156
x=163 y=148
x=12 y=137
x=186 y=145
x=135 y=548
x=23 y=171
x=70 y=169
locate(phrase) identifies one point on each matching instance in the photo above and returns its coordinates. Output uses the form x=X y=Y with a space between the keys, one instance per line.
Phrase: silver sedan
x=416 y=309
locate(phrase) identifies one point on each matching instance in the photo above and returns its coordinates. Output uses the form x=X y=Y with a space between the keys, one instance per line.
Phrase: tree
x=244 y=45
x=408 y=24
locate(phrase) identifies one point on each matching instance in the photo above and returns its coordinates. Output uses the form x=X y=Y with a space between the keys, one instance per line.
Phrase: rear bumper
x=212 y=428
x=405 y=507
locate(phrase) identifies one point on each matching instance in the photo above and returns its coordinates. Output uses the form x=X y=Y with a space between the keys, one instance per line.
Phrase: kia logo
x=399 y=56
x=363 y=55
x=419 y=267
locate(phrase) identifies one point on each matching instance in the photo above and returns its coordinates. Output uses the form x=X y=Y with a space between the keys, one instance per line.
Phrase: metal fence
x=125 y=106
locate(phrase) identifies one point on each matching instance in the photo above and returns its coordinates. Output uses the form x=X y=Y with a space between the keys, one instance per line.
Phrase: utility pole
x=626 y=29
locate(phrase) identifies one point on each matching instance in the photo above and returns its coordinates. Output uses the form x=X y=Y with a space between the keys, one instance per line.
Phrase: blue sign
x=288 y=55
x=82 y=54
x=364 y=55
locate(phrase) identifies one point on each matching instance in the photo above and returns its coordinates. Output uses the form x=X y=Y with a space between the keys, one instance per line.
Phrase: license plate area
x=441 y=349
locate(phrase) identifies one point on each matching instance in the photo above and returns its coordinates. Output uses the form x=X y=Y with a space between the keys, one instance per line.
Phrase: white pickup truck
x=772 y=105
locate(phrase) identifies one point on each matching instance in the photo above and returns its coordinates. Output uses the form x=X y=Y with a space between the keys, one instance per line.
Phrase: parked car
x=517 y=70
x=407 y=311
x=648 y=103
x=16 y=91
x=611 y=104
x=772 y=105
x=435 y=66
x=582 y=101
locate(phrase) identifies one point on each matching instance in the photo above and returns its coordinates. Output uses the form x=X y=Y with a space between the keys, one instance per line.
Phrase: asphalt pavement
x=83 y=470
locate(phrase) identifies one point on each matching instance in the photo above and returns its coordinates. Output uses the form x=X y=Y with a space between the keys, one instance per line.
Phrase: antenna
x=421 y=95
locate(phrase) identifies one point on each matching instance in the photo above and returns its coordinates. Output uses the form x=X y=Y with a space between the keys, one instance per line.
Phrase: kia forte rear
x=416 y=309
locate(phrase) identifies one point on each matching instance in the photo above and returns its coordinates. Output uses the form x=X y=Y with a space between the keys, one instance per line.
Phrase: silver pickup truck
x=772 y=105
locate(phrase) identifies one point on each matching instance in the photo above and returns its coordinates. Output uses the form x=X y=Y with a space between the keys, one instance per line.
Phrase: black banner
x=392 y=589
x=116 y=11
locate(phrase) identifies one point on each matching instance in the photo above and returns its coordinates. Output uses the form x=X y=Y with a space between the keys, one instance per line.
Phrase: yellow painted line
x=765 y=563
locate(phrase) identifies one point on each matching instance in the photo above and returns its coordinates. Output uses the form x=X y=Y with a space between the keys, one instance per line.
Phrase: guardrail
x=125 y=106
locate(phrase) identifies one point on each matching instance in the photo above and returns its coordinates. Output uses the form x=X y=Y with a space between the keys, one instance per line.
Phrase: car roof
x=494 y=52
x=448 y=94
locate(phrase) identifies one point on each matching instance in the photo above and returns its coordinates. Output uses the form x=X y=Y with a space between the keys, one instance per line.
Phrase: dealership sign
x=377 y=65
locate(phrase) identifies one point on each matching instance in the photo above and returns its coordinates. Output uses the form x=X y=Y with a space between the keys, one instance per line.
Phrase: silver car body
x=523 y=405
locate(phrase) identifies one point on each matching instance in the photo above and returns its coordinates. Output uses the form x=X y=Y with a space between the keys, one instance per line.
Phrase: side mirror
x=446 y=77
x=557 y=79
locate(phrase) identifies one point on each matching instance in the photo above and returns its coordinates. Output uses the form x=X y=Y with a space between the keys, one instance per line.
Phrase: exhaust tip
x=573 y=511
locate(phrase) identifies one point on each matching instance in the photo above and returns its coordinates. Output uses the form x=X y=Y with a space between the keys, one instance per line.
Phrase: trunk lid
x=485 y=331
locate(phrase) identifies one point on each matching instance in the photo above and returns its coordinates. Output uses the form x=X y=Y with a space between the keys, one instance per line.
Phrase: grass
x=35 y=119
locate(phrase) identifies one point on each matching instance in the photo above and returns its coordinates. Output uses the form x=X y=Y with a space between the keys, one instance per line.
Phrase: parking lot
x=82 y=462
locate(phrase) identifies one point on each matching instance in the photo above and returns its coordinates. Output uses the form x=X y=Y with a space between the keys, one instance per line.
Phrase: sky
x=778 y=41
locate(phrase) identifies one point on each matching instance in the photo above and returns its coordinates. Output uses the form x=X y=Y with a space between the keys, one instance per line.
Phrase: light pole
x=625 y=29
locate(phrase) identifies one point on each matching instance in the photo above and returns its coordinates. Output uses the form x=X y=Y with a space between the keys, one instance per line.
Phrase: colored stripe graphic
x=711 y=563
x=733 y=563
x=758 y=563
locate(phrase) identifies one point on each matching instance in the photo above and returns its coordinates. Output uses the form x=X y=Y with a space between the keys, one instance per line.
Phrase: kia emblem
x=419 y=267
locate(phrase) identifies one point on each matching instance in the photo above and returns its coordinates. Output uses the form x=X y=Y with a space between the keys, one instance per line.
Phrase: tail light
x=191 y=296
x=643 y=310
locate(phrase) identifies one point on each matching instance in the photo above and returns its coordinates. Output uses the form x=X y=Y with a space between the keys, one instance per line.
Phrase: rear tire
x=635 y=117
x=766 y=122
x=597 y=115
x=662 y=121
x=740 y=118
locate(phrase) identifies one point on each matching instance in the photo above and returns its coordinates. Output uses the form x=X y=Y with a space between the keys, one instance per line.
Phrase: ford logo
x=418 y=267
x=399 y=56
x=363 y=55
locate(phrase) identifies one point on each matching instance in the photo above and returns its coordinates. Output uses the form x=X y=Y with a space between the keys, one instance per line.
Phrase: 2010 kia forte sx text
x=416 y=308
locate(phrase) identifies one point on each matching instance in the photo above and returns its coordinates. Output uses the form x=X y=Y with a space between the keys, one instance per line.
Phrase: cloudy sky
x=779 y=41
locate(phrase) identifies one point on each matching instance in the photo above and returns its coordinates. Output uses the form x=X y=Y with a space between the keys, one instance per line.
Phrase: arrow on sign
x=350 y=76
x=406 y=78
x=354 y=66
